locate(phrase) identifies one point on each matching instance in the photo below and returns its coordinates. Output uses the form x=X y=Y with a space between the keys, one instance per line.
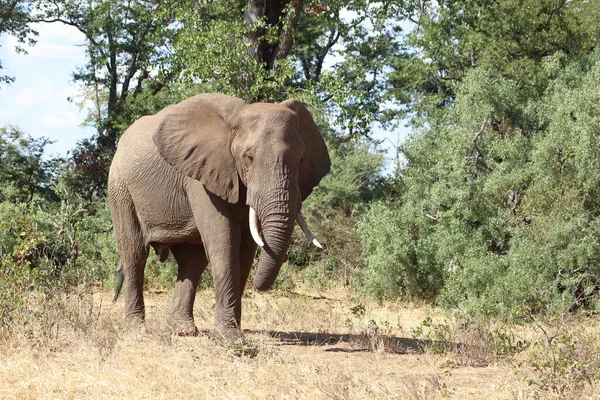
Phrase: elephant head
x=273 y=151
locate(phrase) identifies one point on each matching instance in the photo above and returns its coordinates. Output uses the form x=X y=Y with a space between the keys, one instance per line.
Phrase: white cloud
x=25 y=97
x=64 y=119
x=44 y=92
x=60 y=31
x=55 y=41
x=37 y=100
x=6 y=116
x=57 y=51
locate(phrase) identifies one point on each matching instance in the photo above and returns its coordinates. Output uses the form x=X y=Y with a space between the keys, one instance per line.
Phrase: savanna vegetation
x=490 y=208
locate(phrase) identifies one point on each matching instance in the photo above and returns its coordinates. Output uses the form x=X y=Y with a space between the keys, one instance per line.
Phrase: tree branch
x=7 y=14
x=87 y=34
x=431 y=217
x=475 y=148
x=333 y=38
x=286 y=37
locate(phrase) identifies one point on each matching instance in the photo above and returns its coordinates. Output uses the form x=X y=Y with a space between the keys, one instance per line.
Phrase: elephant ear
x=315 y=163
x=195 y=138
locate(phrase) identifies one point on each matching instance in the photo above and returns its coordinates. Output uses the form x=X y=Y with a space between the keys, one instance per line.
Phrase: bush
x=64 y=249
x=501 y=197
x=396 y=256
x=17 y=278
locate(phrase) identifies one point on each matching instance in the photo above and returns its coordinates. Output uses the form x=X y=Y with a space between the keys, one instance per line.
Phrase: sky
x=37 y=101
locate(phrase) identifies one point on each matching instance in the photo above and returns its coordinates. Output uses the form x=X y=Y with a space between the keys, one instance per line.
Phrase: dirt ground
x=296 y=346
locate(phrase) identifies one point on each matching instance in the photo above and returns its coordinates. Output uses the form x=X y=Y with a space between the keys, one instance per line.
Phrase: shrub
x=501 y=197
x=396 y=256
x=64 y=249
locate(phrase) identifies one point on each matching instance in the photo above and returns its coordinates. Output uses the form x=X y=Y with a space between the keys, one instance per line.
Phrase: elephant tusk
x=307 y=231
x=254 y=228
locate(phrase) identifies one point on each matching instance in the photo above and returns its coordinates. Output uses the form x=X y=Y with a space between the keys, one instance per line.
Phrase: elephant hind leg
x=131 y=246
x=191 y=260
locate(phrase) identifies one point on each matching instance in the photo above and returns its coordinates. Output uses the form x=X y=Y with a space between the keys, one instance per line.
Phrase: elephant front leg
x=247 y=253
x=219 y=225
x=225 y=269
x=191 y=261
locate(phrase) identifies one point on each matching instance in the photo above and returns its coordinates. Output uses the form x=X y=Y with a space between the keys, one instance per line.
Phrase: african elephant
x=199 y=179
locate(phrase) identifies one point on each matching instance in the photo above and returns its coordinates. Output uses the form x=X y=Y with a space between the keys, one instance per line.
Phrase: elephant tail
x=120 y=279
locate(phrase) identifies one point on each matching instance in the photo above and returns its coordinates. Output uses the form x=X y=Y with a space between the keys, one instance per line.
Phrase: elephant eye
x=248 y=155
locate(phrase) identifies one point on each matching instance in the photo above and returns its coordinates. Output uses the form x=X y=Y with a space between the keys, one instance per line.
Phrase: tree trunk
x=277 y=16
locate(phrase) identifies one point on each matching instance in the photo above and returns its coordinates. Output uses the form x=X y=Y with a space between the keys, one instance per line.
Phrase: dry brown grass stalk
x=296 y=346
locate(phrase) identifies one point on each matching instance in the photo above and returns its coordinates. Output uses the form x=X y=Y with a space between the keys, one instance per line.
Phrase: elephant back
x=136 y=142
x=136 y=153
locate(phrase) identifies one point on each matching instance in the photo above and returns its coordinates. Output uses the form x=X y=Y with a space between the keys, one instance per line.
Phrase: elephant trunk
x=277 y=234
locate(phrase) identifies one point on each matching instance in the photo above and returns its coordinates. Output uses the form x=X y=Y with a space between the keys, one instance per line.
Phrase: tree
x=127 y=48
x=238 y=48
x=362 y=39
x=500 y=191
x=24 y=172
x=270 y=29
x=128 y=45
x=510 y=37
x=14 y=20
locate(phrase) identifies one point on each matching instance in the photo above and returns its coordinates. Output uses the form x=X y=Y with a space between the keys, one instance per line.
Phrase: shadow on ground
x=357 y=343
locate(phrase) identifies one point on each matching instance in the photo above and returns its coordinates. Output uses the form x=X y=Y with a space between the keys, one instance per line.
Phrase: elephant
x=200 y=179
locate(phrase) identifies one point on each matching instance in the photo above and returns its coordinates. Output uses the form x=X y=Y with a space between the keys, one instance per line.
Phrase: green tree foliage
x=533 y=199
x=500 y=198
x=127 y=48
x=24 y=172
x=237 y=48
x=398 y=255
x=360 y=40
x=508 y=37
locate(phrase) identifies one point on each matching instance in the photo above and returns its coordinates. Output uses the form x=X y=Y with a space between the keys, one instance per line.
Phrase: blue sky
x=37 y=101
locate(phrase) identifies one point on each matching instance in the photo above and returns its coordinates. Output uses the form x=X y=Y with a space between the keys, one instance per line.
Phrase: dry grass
x=297 y=346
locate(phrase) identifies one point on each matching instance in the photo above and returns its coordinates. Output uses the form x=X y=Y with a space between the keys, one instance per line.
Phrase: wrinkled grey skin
x=183 y=180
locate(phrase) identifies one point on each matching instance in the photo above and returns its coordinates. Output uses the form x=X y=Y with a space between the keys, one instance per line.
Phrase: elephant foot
x=135 y=323
x=135 y=318
x=184 y=327
x=228 y=334
x=235 y=343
